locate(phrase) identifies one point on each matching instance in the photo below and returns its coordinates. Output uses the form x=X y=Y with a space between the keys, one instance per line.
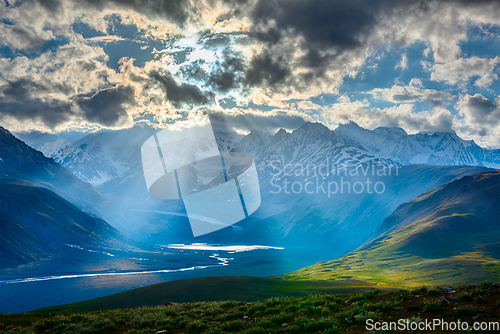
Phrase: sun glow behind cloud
x=423 y=66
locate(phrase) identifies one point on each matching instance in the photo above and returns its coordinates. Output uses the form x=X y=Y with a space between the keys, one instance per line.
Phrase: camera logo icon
x=218 y=188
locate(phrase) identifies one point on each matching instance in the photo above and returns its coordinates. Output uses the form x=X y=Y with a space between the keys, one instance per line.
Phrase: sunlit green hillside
x=450 y=235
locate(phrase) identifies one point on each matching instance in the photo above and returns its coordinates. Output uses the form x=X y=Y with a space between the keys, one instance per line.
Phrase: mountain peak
x=258 y=133
x=312 y=125
x=385 y=130
x=350 y=125
x=4 y=130
x=280 y=133
x=314 y=131
x=438 y=133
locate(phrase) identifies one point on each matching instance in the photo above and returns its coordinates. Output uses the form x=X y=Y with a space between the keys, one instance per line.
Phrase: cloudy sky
x=89 y=64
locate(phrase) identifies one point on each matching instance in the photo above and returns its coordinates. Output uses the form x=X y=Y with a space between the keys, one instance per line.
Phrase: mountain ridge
x=21 y=162
x=384 y=144
x=449 y=235
x=35 y=222
x=19 y=245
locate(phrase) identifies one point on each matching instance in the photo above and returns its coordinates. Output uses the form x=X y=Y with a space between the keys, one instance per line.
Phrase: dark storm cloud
x=179 y=94
x=24 y=88
x=481 y=110
x=322 y=23
x=482 y=106
x=325 y=29
x=314 y=25
x=336 y=26
x=228 y=73
x=267 y=122
x=50 y=114
x=321 y=30
x=107 y=106
x=19 y=99
x=265 y=70
x=222 y=80
x=176 y=11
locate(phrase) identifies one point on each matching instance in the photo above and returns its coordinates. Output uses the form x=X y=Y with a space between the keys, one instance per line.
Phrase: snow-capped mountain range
x=88 y=161
x=96 y=157
x=422 y=148
x=350 y=145
x=313 y=144
x=283 y=217
x=112 y=158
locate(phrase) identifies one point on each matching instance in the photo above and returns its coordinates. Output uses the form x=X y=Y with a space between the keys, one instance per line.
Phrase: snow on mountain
x=94 y=157
x=88 y=161
x=57 y=149
x=312 y=145
x=422 y=148
x=111 y=160
x=492 y=158
x=226 y=140
x=130 y=186
x=255 y=143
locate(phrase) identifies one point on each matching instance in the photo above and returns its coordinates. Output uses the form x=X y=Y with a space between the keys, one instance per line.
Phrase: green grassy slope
x=309 y=314
x=34 y=221
x=18 y=245
x=242 y=288
x=448 y=235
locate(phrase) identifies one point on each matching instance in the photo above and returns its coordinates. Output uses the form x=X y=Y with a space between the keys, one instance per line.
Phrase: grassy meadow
x=313 y=313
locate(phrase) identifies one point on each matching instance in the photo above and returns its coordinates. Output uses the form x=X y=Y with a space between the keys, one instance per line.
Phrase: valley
x=249 y=166
x=149 y=241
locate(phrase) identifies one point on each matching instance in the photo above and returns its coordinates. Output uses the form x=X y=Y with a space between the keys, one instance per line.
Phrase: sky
x=424 y=66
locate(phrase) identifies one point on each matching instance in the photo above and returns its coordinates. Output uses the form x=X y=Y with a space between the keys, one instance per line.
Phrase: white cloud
x=460 y=71
x=443 y=26
x=404 y=116
x=76 y=65
x=480 y=119
x=403 y=63
x=440 y=25
x=413 y=92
